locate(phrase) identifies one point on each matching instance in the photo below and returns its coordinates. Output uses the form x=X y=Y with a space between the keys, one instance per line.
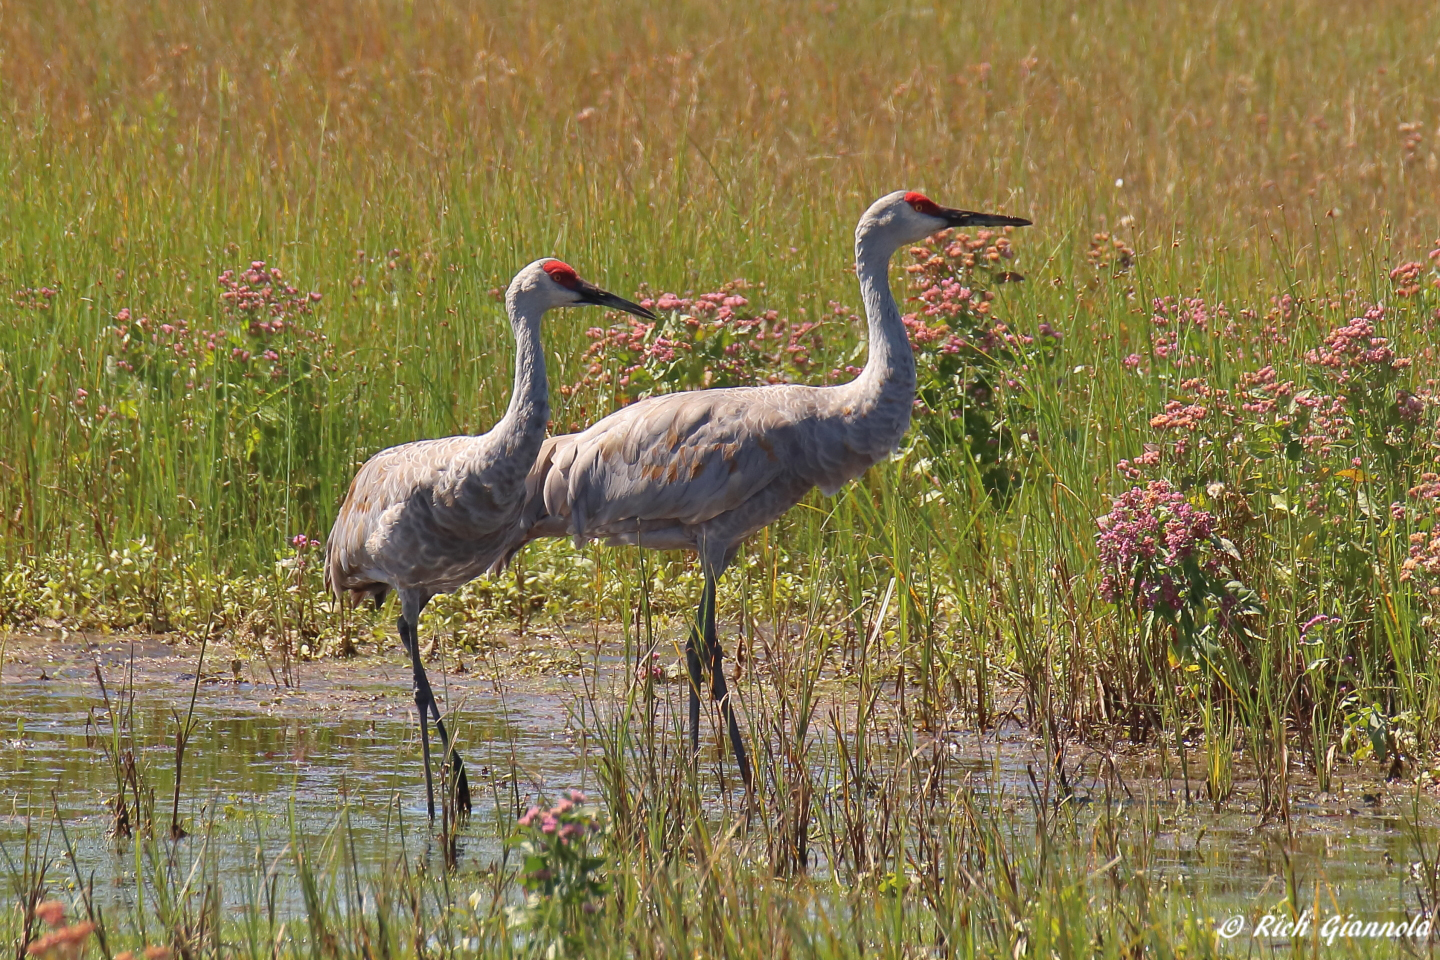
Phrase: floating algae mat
x=268 y=761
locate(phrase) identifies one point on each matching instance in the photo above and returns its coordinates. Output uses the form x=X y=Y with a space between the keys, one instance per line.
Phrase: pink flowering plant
x=262 y=333
x=713 y=339
x=971 y=366
x=1349 y=418
x=1181 y=330
x=37 y=299
x=1165 y=563
x=1360 y=368
x=259 y=357
x=563 y=874
x=65 y=941
x=1317 y=450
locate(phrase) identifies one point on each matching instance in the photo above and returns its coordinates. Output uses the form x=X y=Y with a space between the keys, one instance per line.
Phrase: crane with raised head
x=702 y=470
x=427 y=517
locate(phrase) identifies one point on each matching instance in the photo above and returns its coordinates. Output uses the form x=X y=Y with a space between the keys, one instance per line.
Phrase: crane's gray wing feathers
x=691 y=457
x=422 y=509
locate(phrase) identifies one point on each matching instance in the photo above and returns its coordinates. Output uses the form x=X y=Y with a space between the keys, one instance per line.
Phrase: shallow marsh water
x=264 y=755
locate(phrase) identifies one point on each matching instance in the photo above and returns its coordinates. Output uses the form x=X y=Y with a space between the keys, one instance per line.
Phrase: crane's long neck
x=529 y=409
x=890 y=368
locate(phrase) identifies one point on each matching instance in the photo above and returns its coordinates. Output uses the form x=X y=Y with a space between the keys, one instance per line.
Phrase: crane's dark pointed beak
x=589 y=293
x=968 y=218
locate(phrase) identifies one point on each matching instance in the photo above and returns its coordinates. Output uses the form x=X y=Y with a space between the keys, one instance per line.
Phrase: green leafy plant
x=562 y=875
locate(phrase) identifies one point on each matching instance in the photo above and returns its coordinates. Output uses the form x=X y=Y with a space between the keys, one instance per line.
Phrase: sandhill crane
x=704 y=469
x=430 y=516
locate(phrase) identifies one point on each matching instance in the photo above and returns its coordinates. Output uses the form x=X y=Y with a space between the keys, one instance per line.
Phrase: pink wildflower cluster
x=560 y=860
x=1428 y=488
x=950 y=252
x=972 y=367
x=1351 y=422
x=649 y=669
x=1351 y=366
x=712 y=339
x=955 y=315
x=1423 y=560
x=1279 y=320
x=1107 y=252
x=301 y=542
x=265 y=312
x=1324 y=422
x=1186 y=416
x=954 y=327
x=1174 y=321
x=1410 y=407
x=1179 y=416
x=949 y=305
x=566 y=821
x=1135 y=469
x=64 y=941
x=1434 y=258
x=1262 y=391
x=262 y=297
x=1412 y=134
x=1406 y=278
x=1146 y=542
x=33 y=298
x=945 y=301
x=1356 y=351
x=1187 y=312
x=1424 y=557
x=142 y=340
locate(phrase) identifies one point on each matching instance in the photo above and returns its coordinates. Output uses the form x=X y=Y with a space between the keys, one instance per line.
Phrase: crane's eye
x=922 y=204
x=562 y=273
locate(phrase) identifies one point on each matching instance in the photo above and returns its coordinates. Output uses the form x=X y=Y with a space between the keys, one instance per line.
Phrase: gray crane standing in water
x=428 y=517
x=704 y=469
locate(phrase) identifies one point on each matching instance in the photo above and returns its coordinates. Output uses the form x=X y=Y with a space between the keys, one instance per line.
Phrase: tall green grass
x=1244 y=152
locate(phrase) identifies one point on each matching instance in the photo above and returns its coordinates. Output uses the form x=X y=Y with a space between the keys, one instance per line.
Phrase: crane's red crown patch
x=562 y=273
x=922 y=203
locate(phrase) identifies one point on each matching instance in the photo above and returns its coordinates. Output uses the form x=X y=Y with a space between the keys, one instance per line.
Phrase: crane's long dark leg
x=692 y=662
x=459 y=784
x=426 y=704
x=410 y=640
x=719 y=692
